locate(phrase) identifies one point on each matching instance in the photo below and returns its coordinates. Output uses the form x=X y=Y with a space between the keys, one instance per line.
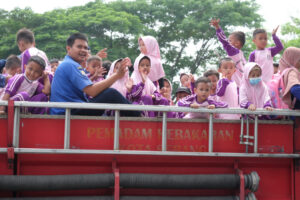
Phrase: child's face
x=227 y=69
x=167 y=87
x=260 y=40
x=53 y=66
x=214 y=80
x=275 y=70
x=22 y=45
x=117 y=66
x=93 y=66
x=234 y=41
x=255 y=72
x=185 y=81
x=202 y=91
x=144 y=66
x=181 y=95
x=143 y=48
x=14 y=70
x=33 y=71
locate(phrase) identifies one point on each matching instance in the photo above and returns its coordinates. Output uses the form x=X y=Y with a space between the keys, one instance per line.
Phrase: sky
x=275 y=12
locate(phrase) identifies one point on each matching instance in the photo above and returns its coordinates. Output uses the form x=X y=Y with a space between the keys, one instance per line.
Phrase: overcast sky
x=274 y=12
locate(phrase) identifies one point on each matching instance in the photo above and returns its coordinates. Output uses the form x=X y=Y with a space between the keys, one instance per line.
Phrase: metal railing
x=164 y=109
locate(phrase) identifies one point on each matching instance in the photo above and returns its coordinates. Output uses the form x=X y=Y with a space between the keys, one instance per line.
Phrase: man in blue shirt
x=70 y=83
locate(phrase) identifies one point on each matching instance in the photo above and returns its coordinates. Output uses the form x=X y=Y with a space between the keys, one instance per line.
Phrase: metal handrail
x=164 y=109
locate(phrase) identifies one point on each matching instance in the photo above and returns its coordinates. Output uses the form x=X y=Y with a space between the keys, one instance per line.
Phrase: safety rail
x=164 y=109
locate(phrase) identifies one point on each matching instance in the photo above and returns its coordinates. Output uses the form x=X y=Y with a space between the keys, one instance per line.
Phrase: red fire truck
x=80 y=157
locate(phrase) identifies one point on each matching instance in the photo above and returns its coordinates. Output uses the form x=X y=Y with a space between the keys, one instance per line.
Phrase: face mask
x=254 y=81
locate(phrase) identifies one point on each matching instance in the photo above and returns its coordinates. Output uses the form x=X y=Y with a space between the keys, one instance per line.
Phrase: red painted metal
x=242 y=185
x=10 y=121
x=117 y=180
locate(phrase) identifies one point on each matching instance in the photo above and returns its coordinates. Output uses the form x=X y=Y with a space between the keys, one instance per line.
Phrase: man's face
x=78 y=51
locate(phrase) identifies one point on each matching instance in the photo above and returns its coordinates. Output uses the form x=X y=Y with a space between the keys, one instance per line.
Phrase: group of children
x=242 y=84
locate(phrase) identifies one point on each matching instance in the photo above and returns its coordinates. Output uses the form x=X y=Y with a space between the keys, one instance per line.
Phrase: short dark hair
x=240 y=36
x=92 y=58
x=212 y=72
x=226 y=59
x=25 y=35
x=202 y=80
x=12 y=62
x=258 y=31
x=183 y=89
x=54 y=60
x=40 y=61
x=275 y=64
x=75 y=36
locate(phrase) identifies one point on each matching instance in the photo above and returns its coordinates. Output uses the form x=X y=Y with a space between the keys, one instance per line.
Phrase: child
x=149 y=47
x=166 y=91
x=95 y=69
x=25 y=87
x=141 y=89
x=182 y=92
x=233 y=47
x=120 y=84
x=264 y=56
x=253 y=91
x=26 y=44
x=200 y=99
x=54 y=64
x=187 y=81
x=227 y=89
x=275 y=66
x=214 y=77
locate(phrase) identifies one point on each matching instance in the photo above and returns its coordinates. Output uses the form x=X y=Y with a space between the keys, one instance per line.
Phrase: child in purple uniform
x=264 y=56
x=95 y=69
x=26 y=87
x=233 y=47
x=200 y=99
x=214 y=77
x=141 y=89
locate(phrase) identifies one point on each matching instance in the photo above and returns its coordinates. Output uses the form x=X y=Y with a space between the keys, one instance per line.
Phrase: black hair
x=275 y=64
x=226 y=59
x=258 y=31
x=12 y=61
x=183 y=74
x=75 y=36
x=37 y=59
x=54 y=60
x=106 y=64
x=240 y=36
x=202 y=80
x=25 y=35
x=92 y=58
x=145 y=57
x=212 y=72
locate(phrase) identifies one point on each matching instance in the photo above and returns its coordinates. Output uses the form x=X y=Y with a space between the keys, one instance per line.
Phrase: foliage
x=292 y=31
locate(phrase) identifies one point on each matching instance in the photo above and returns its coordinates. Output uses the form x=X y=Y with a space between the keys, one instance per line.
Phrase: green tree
x=292 y=31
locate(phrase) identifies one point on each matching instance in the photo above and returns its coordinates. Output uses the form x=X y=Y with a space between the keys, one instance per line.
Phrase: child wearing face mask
x=264 y=56
x=26 y=87
x=254 y=92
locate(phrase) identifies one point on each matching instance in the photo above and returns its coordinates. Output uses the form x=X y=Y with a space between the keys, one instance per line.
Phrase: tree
x=292 y=31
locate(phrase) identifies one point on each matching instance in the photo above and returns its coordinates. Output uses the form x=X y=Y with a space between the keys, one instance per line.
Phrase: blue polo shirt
x=68 y=83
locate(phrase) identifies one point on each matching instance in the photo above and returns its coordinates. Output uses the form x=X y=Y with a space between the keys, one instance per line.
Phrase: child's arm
x=231 y=50
x=252 y=57
x=244 y=102
x=187 y=101
x=47 y=86
x=221 y=87
x=216 y=104
x=136 y=92
x=278 y=45
x=4 y=98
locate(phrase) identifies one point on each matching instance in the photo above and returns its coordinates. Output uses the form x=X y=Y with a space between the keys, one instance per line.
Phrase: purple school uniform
x=235 y=54
x=187 y=101
x=21 y=89
x=264 y=58
x=26 y=55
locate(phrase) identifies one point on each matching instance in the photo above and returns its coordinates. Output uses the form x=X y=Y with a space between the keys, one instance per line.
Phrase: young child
x=227 y=89
x=54 y=64
x=95 y=69
x=182 y=92
x=166 y=91
x=141 y=89
x=187 y=81
x=120 y=84
x=253 y=91
x=26 y=44
x=200 y=99
x=214 y=77
x=233 y=47
x=149 y=47
x=264 y=56
x=26 y=87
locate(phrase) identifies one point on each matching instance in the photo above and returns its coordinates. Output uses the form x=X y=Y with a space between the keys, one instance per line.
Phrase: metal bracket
x=117 y=180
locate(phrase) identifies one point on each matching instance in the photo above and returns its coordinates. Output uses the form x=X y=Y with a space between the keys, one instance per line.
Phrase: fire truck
x=97 y=157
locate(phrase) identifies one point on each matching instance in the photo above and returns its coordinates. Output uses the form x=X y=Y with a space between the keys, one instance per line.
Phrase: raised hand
x=215 y=23
x=275 y=30
x=144 y=77
x=129 y=84
x=102 y=53
x=192 y=78
x=100 y=71
x=122 y=69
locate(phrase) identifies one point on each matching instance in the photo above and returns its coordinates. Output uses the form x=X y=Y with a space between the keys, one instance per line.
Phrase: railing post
x=247 y=138
x=255 y=133
x=164 y=133
x=242 y=130
x=116 y=131
x=67 y=128
x=211 y=134
x=16 y=131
